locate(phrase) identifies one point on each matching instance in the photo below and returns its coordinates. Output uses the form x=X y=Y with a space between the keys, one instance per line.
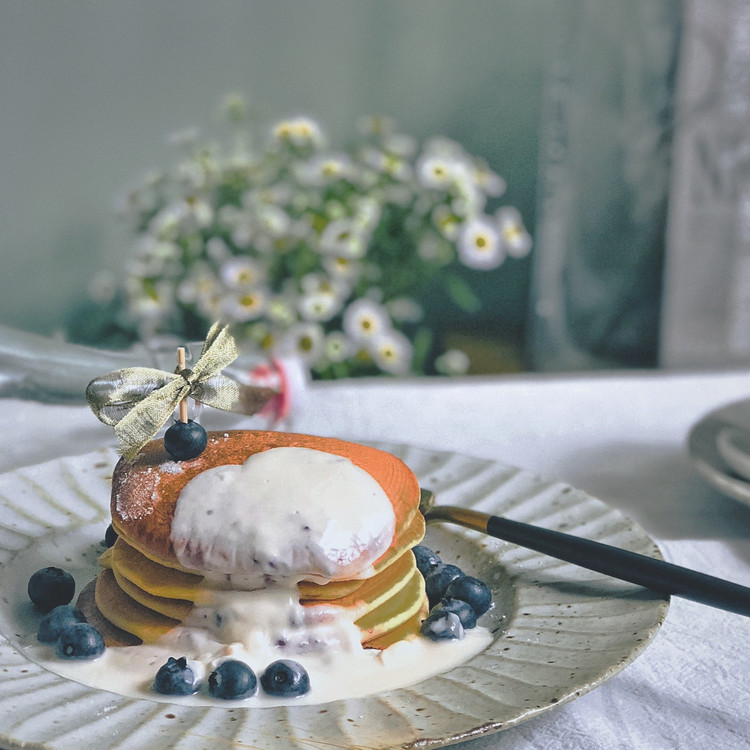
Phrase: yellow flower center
x=330 y=169
x=388 y=352
x=511 y=232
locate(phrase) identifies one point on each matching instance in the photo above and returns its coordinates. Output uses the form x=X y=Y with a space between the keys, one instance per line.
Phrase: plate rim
x=660 y=605
x=709 y=463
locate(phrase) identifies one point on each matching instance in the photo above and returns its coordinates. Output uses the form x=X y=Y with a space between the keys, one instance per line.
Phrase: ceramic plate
x=558 y=630
x=704 y=450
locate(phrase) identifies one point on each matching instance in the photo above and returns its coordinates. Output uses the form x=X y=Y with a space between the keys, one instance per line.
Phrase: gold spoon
x=663 y=577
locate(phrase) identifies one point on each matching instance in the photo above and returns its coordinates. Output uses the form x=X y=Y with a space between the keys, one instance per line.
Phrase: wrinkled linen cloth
x=621 y=438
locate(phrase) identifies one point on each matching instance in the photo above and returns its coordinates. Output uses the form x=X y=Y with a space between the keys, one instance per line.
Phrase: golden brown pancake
x=143 y=590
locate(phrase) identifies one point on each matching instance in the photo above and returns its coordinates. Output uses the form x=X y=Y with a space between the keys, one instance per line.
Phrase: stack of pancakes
x=144 y=591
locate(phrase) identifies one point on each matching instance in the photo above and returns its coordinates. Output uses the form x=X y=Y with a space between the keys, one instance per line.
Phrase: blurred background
x=620 y=129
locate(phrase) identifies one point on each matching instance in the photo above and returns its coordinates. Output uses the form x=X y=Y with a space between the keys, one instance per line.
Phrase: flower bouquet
x=314 y=252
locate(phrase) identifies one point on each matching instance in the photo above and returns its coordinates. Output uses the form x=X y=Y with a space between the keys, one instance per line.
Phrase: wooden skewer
x=180 y=368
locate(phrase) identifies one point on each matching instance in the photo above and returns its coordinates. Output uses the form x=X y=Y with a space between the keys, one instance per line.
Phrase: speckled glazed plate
x=706 y=455
x=558 y=631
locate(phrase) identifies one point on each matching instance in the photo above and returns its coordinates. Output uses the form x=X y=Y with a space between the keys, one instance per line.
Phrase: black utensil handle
x=657 y=575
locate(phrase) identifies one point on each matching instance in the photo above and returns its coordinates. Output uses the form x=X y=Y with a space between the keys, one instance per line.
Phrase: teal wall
x=89 y=90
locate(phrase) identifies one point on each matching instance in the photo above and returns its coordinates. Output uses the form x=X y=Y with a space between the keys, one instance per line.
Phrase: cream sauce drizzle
x=286 y=513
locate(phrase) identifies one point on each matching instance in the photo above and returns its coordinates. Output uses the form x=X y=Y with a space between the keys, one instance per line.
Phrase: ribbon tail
x=145 y=419
x=219 y=351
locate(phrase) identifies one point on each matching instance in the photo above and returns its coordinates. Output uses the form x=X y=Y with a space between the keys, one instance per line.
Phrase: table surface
x=620 y=437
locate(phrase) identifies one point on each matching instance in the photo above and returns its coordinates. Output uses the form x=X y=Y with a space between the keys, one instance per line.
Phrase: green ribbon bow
x=137 y=401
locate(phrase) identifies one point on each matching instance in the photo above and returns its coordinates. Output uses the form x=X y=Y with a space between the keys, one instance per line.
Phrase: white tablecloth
x=621 y=437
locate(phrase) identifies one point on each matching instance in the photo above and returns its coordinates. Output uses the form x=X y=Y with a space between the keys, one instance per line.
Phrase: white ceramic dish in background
x=715 y=451
x=559 y=630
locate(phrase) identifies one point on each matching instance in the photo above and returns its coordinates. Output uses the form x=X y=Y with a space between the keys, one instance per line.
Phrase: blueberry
x=232 y=680
x=185 y=440
x=437 y=581
x=50 y=587
x=285 y=678
x=53 y=624
x=427 y=560
x=80 y=641
x=175 y=678
x=441 y=625
x=110 y=536
x=461 y=608
x=471 y=590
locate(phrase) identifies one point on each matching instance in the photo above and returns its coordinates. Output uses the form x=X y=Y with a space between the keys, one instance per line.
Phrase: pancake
x=145 y=492
x=144 y=590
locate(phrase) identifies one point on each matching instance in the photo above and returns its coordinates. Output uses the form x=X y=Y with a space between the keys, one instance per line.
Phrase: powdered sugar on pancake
x=145 y=487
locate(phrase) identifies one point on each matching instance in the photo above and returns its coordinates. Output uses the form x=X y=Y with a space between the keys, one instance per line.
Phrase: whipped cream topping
x=285 y=514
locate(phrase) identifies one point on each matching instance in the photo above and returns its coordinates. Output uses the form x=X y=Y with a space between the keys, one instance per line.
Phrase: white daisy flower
x=386 y=163
x=342 y=268
x=152 y=302
x=366 y=213
x=304 y=340
x=452 y=362
x=516 y=240
x=153 y=256
x=479 y=244
x=436 y=171
x=245 y=305
x=273 y=220
x=401 y=145
x=337 y=347
x=210 y=304
x=324 y=169
x=342 y=237
x=200 y=212
x=241 y=273
x=167 y=223
x=319 y=306
x=392 y=352
x=364 y=320
x=268 y=195
x=446 y=222
x=299 y=132
x=316 y=282
x=200 y=285
x=469 y=198
x=280 y=310
x=487 y=180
